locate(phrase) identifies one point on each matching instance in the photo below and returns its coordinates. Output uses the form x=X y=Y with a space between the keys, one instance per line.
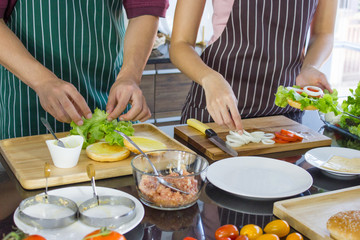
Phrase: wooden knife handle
x=197 y=125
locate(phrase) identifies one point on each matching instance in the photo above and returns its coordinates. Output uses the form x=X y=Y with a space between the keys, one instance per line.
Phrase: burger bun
x=104 y=152
x=345 y=225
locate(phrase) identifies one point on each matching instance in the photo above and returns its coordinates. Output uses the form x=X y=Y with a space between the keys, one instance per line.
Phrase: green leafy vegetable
x=351 y=105
x=98 y=127
x=326 y=103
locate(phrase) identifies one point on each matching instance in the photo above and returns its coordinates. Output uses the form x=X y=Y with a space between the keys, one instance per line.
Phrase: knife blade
x=211 y=135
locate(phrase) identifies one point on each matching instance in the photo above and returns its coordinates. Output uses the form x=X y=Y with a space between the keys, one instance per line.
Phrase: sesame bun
x=345 y=225
x=104 y=152
x=296 y=104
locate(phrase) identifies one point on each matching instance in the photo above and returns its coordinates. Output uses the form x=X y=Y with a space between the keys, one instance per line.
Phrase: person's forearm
x=15 y=57
x=319 y=50
x=139 y=39
x=184 y=56
x=322 y=34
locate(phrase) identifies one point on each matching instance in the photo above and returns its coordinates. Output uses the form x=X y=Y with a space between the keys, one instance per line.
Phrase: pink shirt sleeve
x=135 y=8
x=221 y=13
x=6 y=7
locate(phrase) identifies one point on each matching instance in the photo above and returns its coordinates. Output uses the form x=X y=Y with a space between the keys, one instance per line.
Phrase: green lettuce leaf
x=99 y=128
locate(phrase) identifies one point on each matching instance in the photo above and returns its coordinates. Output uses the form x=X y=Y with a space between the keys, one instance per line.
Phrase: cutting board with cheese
x=309 y=214
x=26 y=157
x=199 y=142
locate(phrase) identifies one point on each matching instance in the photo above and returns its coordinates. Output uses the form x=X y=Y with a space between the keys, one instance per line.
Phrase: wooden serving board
x=196 y=140
x=309 y=214
x=26 y=157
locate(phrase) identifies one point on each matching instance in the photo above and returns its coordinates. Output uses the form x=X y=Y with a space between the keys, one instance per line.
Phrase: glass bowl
x=185 y=170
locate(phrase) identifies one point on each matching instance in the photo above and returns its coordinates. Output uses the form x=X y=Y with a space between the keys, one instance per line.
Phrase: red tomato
x=278 y=140
x=285 y=137
x=104 y=234
x=225 y=238
x=314 y=92
x=229 y=230
x=242 y=237
x=291 y=134
x=189 y=238
x=34 y=237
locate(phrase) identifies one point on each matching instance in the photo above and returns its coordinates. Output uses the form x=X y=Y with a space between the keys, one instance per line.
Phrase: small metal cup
x=111 y=222
x=48 y=223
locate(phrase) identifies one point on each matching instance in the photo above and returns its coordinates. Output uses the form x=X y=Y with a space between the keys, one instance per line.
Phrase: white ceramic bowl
x=66 y=157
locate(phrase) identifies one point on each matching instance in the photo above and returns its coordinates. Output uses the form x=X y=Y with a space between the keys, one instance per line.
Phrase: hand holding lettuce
x=326 y=102
x=98 y=127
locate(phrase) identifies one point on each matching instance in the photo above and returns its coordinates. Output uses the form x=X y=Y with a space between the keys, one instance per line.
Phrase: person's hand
x=311 y=76
x=221 y=102
x=62 y=100
x=126 y=91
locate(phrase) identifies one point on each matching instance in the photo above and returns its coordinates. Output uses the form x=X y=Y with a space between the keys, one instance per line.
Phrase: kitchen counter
x=214 y=208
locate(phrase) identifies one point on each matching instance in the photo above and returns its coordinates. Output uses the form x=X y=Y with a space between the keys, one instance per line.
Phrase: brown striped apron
x=261 y=47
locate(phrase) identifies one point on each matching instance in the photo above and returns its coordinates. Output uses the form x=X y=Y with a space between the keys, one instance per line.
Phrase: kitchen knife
x=212 y=136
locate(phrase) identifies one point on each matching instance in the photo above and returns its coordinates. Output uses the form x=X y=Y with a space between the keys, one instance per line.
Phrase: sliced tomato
x=278 y=140
x=285 y=137
x=104 y=234
x=34 y=237
x=291 y=134
x=313 y=91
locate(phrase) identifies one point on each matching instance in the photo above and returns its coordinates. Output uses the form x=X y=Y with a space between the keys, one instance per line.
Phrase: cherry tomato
x=268 y=236
x=225 y=238
x=34 y=237
x=189 y=238
x=291 y=134
x=228 y=230
x=104 y=234
x=278 y=140
x=252 y=231
x=242 y=237
x=279 y=227
x=294 y=236
x=285 y=137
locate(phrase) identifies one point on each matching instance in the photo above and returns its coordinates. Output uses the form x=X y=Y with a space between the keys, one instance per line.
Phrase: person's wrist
x=39 y=80
x=309 y=66
x=127 y=74
x=211 y=78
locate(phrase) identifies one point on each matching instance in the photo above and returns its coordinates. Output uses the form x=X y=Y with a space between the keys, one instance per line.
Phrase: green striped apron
x=80 y=41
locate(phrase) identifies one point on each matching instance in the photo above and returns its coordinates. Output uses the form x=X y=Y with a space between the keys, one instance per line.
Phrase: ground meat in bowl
x=163 y=196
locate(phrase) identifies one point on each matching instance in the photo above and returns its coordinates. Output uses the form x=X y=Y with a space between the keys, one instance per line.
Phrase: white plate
x=259 y=177
x=78 y=230
x=318 y=156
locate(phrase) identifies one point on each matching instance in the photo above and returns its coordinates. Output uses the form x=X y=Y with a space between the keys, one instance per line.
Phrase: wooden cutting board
x=26 y=157
x=198 y=141
x=309 y=214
